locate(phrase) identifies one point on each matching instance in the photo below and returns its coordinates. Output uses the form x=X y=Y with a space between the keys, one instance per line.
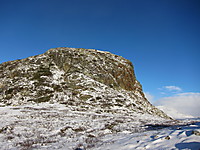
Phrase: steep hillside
x=82 y=79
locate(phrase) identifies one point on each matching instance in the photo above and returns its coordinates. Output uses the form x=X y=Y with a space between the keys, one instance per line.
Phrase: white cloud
x=149 y=96
x=174 y=113
x=172 y=88
x=186 y=103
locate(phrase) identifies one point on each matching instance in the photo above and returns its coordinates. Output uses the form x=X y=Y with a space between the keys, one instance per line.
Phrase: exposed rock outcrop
x=83 y=79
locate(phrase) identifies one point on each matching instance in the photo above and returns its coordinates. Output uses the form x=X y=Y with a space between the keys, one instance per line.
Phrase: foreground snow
x=179 y=137
x=54 y=126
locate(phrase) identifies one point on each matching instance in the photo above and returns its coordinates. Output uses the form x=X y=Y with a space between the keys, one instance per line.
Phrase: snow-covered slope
x=174 y=113
x=48 y=126
x=55 y=126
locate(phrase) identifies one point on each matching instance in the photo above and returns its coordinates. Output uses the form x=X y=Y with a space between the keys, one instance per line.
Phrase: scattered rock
x=78 y=149
x=167 y=137
x=196 y=132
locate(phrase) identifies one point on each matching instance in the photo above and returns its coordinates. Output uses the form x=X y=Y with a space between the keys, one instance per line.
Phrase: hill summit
x=81 y=79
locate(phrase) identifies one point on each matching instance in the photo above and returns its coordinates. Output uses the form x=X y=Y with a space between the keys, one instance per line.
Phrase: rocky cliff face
x=82 y=79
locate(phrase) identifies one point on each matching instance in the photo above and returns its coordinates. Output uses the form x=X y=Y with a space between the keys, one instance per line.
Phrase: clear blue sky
x=160 y=37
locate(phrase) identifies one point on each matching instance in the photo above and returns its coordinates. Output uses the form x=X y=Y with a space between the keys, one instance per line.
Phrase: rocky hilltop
x=81 y=79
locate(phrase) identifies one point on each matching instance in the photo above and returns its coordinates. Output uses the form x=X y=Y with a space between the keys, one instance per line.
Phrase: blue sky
x=160 y=37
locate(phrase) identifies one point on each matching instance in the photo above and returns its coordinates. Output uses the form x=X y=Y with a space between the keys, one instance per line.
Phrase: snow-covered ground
x=176 y=138
x=54 y=126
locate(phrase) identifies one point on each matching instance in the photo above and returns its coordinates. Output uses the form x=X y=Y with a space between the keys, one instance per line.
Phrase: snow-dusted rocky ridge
x=83 y=79
x=68 y=98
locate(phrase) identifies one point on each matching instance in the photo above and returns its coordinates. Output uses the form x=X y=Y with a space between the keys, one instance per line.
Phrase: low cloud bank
x=186 y=103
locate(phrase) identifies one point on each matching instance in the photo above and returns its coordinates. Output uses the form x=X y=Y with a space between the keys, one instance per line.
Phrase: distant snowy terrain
x=55 y=126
